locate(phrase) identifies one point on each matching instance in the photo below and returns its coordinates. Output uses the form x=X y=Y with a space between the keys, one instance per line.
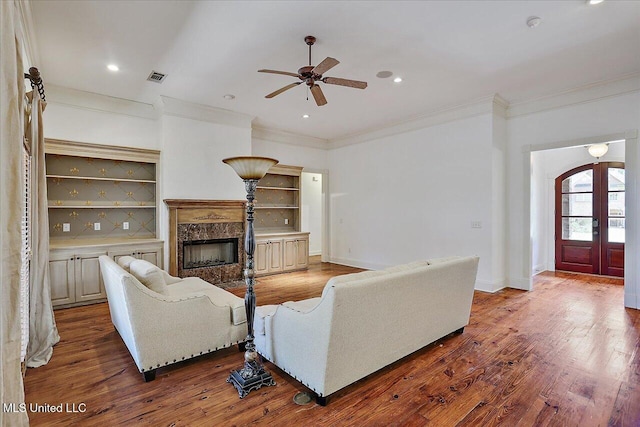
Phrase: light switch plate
x=96 y=226
x=125 y=225
x=66 y=227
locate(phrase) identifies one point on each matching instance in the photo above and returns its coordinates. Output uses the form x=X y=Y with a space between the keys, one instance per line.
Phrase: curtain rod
x=36 y=81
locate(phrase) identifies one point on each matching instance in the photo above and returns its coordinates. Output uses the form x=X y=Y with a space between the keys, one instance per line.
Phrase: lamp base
x=249 y=378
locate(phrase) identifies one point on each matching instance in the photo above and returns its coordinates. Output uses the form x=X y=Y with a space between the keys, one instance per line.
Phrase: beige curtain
x=43 y=334
x=11 y=140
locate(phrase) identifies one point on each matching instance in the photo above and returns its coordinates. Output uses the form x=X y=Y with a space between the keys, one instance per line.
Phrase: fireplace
x=206 y=239
x=209 y=253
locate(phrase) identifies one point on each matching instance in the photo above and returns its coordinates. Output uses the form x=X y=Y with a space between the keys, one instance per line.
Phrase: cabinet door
x=89 y=285
x=260 y=257
x=119 y=253
x=61 y=277
x=289 y=253
x=153 y=256
x=302 y=253
x=275 y=256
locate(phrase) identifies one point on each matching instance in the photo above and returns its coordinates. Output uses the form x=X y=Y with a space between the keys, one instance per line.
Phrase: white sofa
x=164 y=319
x=366 y=321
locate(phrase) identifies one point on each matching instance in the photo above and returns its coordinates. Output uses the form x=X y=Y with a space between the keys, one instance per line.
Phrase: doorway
x=590 y=219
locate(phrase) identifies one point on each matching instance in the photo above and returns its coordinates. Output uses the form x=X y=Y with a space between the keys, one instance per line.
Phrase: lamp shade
x=250 y=167
x=598 y=150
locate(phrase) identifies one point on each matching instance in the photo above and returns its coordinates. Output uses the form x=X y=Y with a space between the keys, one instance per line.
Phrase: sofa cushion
x=218 y=296
x=303 y=306
x=149 y=275
x=262 y=312
x=125 y=262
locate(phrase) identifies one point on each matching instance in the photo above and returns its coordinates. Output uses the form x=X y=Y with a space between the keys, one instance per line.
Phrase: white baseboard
x=523 y=283
x=491 y=287
x=315 y=253
x=358 y=263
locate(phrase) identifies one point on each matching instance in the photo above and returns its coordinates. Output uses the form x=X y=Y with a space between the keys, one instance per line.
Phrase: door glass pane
x=616 y=204
x=616 y=179
x=616 y=230
x=577 y=229
x=581 y=181
x=577 y=204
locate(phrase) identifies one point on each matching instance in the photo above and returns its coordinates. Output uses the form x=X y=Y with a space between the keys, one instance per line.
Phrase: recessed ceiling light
x=113 y=67
x=533 y=21
x=229 y=97
x=397 y=79
x=594 y=1
x=384 y=74
x=305 y=116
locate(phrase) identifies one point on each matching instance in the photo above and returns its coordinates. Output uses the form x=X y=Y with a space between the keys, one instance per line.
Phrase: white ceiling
x=448 y=53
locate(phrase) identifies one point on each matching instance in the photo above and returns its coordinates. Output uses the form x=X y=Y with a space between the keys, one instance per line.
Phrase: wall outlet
x=125 y=225
x=96 y=226
x=476 y=224
x=286 y=221
x=66 y=227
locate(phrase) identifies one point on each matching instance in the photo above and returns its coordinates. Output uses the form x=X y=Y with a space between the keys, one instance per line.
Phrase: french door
x=590 y=219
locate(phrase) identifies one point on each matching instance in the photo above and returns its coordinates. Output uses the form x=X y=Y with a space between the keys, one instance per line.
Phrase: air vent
x=156 y=77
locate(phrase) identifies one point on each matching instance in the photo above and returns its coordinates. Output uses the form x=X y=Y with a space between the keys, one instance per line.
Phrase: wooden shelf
x=278 y=188
x=101 y=207
x=99 y=178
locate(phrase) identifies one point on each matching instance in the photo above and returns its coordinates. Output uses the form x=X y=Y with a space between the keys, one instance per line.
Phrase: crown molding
x=284 y=137
x=593 y=92
x=29 y=35
x=96 y=102
x=485 y=105
x=188 y=110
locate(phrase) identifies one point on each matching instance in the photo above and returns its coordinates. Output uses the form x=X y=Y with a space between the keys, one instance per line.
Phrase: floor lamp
x=252 y=375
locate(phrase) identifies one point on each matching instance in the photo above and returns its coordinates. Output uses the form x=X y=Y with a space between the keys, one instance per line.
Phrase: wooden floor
x=565 y=354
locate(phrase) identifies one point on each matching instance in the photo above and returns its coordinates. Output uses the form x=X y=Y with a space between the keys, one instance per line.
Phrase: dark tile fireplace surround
x=206 y=239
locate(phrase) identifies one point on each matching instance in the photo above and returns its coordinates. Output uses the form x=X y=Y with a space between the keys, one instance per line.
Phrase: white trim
x=29 y=35
x=522 y=283
x=589 y=93
x=358 y=263
x=475 y=108
x=176 y=107
x=491 y=287
x=285 y=137
x=96 y=102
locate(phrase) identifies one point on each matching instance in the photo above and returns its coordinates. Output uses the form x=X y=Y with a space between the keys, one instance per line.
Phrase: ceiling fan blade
x=286 y=73
x=282 y=89
x=325 y=65
x=318 y=95
x=344 y=82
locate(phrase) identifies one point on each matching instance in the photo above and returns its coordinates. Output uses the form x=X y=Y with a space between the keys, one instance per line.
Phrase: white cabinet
x=280 y=252
x=75 y=275
x=268 y=256
x=151 y=252
x=296 y=252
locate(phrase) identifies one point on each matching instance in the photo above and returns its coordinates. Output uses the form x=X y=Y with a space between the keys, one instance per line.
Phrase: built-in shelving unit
x=101 y=201
x=280 y=245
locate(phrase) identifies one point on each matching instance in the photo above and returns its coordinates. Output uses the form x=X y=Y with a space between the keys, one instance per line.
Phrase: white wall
x=413 y=196
x=546 y=166
x=99 y=127
x=310 y=158
x=312 y=201
x=555 y=127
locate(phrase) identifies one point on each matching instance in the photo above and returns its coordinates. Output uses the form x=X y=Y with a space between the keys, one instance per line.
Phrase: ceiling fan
x=311 y=75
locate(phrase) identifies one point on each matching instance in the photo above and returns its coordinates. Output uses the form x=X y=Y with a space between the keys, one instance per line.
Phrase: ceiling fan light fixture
x=384 y=74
